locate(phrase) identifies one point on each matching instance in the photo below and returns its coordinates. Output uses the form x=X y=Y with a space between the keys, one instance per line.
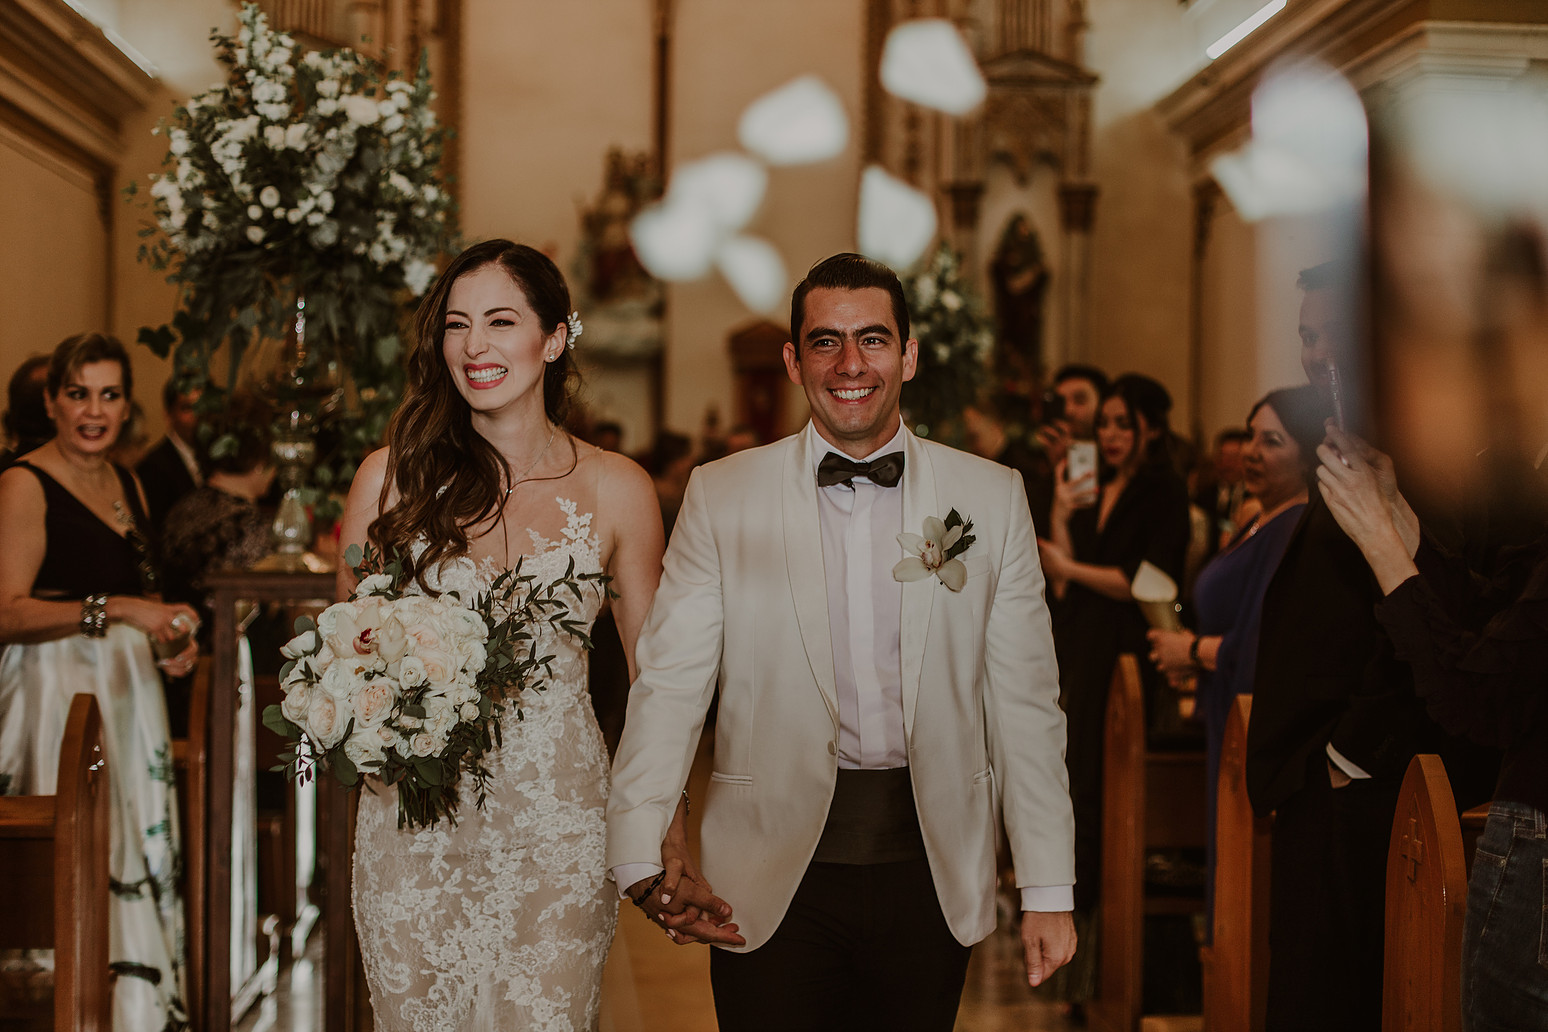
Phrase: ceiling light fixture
x=1245 y=29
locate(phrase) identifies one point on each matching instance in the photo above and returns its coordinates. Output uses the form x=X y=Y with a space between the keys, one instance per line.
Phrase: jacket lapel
x=803 y=564
x=919 y=501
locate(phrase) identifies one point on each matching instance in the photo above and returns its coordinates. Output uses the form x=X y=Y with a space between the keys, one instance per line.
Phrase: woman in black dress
x=1099 y=536
x=79 y=612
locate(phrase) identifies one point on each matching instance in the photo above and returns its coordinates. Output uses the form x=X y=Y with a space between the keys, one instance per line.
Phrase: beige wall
x=728 y=54
x=1142 y=238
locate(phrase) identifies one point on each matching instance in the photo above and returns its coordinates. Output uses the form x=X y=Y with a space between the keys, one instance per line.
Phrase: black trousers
x=863 y=946
x=1327 y=904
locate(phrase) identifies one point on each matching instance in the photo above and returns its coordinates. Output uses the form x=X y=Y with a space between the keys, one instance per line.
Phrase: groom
x=872 y=723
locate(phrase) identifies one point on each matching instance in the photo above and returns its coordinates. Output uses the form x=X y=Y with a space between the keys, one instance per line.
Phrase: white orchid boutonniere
x=936 y=552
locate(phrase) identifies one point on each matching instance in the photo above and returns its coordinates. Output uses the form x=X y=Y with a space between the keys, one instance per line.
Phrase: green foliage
x=955 y=339
x=311 y=176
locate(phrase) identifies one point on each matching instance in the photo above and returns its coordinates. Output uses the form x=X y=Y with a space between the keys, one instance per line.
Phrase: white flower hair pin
x=576 y=329
x=936 y=552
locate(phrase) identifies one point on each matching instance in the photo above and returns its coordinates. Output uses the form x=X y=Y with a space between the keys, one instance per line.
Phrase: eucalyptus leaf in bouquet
x=414 y=688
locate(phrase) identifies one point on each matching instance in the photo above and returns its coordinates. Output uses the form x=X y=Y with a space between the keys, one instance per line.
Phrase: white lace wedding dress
x=503 y=921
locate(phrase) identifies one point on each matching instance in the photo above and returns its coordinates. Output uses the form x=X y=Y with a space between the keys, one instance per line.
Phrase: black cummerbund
x=871 y=819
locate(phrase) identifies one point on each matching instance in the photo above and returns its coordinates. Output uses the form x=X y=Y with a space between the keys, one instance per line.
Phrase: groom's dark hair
x=848 y=272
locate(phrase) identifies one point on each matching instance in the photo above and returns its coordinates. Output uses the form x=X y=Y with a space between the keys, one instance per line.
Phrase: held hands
x=1170 y=651
x=1055 y=439
x=684 y=903
x=1048 y=941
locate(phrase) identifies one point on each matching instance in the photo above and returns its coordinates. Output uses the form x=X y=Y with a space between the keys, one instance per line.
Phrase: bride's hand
x=685 y=904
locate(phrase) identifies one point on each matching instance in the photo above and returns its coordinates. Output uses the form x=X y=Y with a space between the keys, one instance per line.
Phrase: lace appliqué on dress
x=504 y=920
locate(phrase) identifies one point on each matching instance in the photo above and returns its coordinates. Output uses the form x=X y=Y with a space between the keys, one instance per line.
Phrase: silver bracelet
x=94 y=616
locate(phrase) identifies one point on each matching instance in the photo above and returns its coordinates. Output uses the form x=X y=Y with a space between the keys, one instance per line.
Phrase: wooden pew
x=1426 y=900
x=1236 y=964
x=1150 y=800
x=54 y=852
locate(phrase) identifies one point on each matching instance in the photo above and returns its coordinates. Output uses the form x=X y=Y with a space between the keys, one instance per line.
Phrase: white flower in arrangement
x=177 y=142
x=269 y=197
x=392 y=123
x=924 y=289
x=360 y=110
x=417 y=274
x=951 y=300
x=296 y=135
x=325 y=200
x=254 y=235
x=254 y=212
x=274 y=136
x=326 y=106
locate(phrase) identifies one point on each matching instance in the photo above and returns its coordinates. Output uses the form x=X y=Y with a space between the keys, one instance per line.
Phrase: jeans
x=1505 y=936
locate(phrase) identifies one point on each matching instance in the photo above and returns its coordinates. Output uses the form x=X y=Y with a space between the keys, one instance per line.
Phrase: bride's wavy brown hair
x=431 y=441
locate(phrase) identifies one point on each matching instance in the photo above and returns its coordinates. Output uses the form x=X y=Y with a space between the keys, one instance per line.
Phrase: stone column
x=1077 y=213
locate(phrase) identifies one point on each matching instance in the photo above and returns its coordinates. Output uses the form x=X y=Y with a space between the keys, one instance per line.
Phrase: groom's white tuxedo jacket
x=743 y=600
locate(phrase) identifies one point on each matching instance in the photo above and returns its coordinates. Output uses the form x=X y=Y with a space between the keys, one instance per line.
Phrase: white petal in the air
x=1308 y=149
x=802 y=121
x=675 y=240
x=755 y=271
x=897 y=222
x=729 y=185
x=928 y=62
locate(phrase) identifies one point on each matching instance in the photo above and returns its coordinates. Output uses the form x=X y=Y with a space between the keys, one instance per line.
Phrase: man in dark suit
x=1335 y=722
x=170 y=470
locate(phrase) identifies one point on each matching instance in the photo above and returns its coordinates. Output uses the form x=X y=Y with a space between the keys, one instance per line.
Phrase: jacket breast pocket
x=731 y=779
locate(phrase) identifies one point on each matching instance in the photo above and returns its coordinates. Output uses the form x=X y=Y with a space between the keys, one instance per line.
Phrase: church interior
x=1130 y=185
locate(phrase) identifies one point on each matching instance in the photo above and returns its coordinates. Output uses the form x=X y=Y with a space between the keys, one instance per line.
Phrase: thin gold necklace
x=524 y=473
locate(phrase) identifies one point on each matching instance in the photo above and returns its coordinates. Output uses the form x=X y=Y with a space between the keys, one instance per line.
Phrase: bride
x=504 y=920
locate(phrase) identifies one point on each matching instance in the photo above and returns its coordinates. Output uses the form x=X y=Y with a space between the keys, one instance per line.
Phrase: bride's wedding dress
x=503 y=921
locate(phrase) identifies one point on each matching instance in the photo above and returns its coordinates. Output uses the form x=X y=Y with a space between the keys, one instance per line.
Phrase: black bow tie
x=883 y=471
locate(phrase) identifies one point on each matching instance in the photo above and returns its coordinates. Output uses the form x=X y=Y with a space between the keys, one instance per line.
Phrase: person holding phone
x=1132 y=508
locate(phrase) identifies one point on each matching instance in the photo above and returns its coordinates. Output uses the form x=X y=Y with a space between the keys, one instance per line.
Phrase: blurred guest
x=1069 y=414
x=608 y=436
x=741 y=437
x=1222 y=493
x=27 y=425
x=1285 y=430
x=987 y=423
x=170 y=470
x=670 y=463
x=79 y=611
x=1100 y=533
x=218 y=524
x=1335 y=722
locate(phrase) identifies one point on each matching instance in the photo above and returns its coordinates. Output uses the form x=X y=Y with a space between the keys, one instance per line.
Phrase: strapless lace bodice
x=502 y=921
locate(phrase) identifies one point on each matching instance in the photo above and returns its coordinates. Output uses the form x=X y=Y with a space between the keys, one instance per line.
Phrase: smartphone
x=1080 y=460
x=1336 y=389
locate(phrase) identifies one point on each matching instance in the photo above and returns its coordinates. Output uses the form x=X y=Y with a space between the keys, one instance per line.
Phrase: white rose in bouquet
x=297 y=702
x=373 y=703
x=325 y=720
x=440 y=668
x=422 y=744
x=411 y=672
x=303 y=644
x=364 y=749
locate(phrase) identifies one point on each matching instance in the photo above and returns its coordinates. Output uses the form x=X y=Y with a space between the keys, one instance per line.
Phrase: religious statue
x=1020 y=282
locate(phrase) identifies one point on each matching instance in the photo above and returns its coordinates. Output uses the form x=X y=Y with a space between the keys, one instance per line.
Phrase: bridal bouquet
x=413 y=688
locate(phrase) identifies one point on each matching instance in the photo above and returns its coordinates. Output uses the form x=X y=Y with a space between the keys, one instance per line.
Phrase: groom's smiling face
x=852 y=366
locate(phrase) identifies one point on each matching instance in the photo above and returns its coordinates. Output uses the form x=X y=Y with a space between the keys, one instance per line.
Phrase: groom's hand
x=1049 y=941
x=686 y=907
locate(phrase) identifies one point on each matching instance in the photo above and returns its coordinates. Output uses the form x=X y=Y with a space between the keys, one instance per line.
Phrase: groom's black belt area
x=871 y=820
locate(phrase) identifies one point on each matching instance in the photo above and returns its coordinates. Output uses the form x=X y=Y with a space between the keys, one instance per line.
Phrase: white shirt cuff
x=627 y=874
x=1345 y=764
x=1048 y=899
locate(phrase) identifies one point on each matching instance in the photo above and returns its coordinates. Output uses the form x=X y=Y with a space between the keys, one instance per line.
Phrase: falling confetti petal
x=897 y=222
x=755 y=271
x=928 y=62
x=1308 y=148
x=728 y=186
x=802 y=121
x=675 y=240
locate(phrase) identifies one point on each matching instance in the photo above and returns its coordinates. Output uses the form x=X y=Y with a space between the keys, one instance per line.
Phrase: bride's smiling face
x=494 y=346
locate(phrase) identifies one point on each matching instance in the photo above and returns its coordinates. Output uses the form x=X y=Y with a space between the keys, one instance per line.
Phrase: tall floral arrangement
x=955 y=340
x=303 y=176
